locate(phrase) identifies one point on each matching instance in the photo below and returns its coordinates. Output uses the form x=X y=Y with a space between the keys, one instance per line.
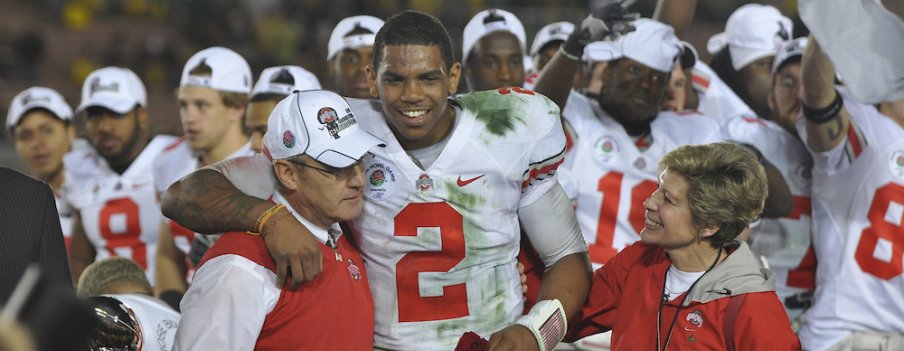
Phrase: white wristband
x=547 y=321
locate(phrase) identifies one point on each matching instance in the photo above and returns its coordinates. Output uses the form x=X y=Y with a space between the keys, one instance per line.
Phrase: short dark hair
x=413 y=28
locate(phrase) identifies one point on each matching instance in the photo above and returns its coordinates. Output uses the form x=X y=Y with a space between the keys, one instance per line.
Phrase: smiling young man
x=110 y=184
x=40 y=122
x=446 y=200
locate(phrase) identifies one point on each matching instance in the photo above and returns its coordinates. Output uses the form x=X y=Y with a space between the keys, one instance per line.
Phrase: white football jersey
x=158 y=321
x=174 y=162
x=614 y=177
x=119 y=213
x=858 y=231
x=65 y=219
x=784 y=242
x=440 y=244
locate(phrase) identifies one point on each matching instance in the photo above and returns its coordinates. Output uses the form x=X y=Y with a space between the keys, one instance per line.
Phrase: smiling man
x=446 y=200
x=622 y=134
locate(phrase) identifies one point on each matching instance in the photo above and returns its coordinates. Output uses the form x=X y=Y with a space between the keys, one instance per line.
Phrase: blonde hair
x=727 y=186
x=101 y=276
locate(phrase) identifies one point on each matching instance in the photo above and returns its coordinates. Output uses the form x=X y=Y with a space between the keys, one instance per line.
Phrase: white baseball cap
x=115 y=88
x=752 y=32
x=549 y=33
x=37 y=97
x=283 y=80
x=653 y=44
x=320 y=124
x=341 y=40
x=490 y=21
x=791 y=49
x=229 y=71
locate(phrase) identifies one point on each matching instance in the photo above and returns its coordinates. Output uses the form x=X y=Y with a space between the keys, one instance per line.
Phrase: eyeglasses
x=338 y=174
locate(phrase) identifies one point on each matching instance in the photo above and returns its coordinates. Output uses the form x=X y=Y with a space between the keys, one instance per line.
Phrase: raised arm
x=556 y=78
x=207 y=202
x=676 y=13
x=827 y=120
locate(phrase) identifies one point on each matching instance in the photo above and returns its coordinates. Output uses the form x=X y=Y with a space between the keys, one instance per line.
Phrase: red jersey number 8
x=880 y=227
x=131 y=237
x=453 y=303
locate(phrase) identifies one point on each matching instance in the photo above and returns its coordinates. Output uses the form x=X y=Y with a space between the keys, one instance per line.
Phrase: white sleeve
x=552 y=227
x=226 y=304
x=252 y=175
x=546 y=153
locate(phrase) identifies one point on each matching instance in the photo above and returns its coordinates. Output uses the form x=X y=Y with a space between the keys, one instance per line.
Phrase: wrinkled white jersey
x=119 y=213
x=440 y=244
x=716 y=99
x=784 y=242
x=614 y=177
x=174 y=162
x=858 y=231
x=158 y=321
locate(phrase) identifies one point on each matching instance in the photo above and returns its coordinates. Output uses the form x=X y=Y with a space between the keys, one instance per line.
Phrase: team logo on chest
x=381 y=181
x=424 y=183
x=696 y=320
x=605 y=149
x=896 y=163
x=353 y=270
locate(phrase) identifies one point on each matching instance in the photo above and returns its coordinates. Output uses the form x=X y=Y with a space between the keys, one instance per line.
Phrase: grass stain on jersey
x=460 y=198
x=500 y=113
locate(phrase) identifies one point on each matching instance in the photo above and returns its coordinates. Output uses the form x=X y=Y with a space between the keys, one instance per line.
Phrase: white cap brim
x=115 y=104
x=344 y=154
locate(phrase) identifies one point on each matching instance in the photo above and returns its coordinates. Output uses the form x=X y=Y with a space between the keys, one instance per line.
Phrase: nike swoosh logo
x=469 y=181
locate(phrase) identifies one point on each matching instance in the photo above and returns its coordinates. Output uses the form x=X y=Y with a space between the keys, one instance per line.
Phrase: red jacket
x=626 y=293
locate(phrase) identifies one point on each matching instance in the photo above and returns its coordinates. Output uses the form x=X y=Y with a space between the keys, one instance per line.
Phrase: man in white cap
x=349 y=51
x=274 y=84
x=493 y=47
x=212 y=97
x=546 y=43
x=782 y=235
x=40 y=123
x=315 y=149
x=858 y=222
x=110 y=185
x=743 y=54
x=622 y=135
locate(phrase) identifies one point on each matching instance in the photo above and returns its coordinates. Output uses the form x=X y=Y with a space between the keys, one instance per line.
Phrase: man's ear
x=286 y=174
x=372 y=81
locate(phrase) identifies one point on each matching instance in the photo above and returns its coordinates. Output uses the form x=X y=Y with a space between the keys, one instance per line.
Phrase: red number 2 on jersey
x=880 y=227
x=610 y=185
x=453 y=303
x=131 y=236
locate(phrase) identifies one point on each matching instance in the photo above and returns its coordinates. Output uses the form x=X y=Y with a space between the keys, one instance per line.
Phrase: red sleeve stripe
x=855 y=143
x=542 y=169
x=801 y=207
x=700 y=80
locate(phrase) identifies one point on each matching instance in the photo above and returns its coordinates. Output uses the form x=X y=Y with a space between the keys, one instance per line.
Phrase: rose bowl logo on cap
x=288 y=139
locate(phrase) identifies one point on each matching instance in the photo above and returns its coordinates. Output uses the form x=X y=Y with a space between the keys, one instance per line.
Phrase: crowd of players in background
x=832 y=230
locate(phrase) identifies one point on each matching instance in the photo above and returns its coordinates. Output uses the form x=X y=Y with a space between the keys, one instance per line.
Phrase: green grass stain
x=460 y=198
